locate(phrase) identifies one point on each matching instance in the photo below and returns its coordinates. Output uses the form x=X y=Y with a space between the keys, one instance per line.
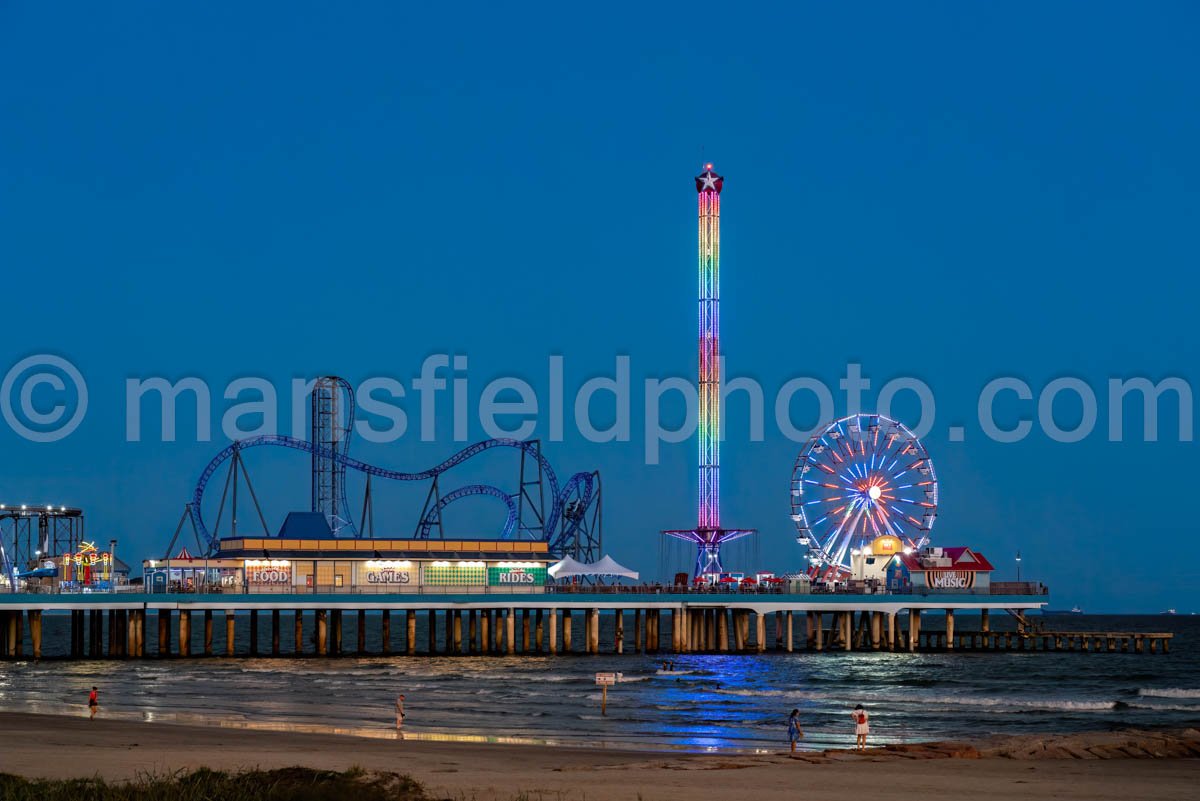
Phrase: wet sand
x=60 y=746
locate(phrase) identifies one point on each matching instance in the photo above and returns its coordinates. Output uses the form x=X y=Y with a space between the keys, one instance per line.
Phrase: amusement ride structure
x=332 y=422
x=862 y=477
x=708 y=535
x=29 y=534
x=571 y=525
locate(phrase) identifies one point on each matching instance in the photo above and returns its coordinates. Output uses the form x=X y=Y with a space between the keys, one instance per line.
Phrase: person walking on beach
x=795 y=733
x=399 y=712
x=93 y=703
x=861 y=727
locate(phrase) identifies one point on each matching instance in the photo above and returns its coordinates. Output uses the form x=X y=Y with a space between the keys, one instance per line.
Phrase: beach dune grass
x=284 y=784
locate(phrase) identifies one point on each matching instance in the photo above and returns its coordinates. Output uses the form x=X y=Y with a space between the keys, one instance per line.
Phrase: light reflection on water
x=709 y=702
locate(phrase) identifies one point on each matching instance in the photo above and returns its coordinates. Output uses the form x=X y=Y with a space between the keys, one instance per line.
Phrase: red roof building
x=948 y=570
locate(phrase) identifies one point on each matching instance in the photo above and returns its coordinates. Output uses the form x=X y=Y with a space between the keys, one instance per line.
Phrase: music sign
x=950 y=579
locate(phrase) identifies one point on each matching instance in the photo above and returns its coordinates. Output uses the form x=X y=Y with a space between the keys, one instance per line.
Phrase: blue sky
x=947 y=192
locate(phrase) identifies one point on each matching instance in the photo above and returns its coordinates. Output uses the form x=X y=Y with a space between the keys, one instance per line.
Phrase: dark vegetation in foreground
x=286 y=784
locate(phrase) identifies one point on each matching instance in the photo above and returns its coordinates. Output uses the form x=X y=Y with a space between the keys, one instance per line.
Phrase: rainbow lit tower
x=708 y=534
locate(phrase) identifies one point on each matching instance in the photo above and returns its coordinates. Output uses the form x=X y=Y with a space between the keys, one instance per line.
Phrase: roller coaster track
x=579 y=483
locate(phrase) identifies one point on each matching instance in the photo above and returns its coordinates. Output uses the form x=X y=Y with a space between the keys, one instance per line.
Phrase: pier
x=134 y=626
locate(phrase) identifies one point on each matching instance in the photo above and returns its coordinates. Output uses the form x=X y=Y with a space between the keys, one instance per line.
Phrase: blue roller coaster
x=571 y=526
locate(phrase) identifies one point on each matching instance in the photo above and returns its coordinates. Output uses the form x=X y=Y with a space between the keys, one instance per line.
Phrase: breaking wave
x=1169 y=692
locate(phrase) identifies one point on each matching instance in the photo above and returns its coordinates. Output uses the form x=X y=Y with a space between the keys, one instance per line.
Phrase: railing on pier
x=1019 y=588
x=1008 y=588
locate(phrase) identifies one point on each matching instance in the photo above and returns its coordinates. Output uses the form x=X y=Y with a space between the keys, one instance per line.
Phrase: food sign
x=268 y=572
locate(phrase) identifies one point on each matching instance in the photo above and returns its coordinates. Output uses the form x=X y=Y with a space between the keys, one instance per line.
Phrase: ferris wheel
x=863 y=477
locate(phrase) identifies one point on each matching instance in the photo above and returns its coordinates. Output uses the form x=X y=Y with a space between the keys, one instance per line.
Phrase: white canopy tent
x=607 y=566
x=572 y=568
x=567 y=568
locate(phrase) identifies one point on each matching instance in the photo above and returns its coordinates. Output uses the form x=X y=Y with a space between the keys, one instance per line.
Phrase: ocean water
x=706 y=703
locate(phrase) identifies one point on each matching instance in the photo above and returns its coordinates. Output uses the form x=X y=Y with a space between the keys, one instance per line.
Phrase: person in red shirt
x=93 y=704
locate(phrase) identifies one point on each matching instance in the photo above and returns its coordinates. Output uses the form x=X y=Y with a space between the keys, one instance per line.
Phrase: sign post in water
x=605 y=680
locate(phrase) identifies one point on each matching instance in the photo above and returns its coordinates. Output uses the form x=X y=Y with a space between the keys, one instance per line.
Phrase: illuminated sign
x=268 y=571
x=389 y=575
x=528 y=574
x=950 y=579
x=886 y=545
x=387 y=572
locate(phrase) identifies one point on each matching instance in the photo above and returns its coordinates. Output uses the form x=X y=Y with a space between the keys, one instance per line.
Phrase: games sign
x=388 y=576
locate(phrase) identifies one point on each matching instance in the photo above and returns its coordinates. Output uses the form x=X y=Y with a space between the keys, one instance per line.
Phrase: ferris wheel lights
x=864 y=484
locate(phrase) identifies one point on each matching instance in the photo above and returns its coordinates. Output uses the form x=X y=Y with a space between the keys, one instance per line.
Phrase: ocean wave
x=1023 y=704
x=1169 y=692
x=1164 y=707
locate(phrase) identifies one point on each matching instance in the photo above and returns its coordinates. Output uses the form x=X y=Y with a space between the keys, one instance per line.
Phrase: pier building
x=285 y=565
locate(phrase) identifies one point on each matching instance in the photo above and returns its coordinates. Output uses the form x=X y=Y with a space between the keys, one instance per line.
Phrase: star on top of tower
x=709 y=181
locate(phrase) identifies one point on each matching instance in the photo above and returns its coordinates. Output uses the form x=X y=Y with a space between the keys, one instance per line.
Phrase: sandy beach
x=60 y=746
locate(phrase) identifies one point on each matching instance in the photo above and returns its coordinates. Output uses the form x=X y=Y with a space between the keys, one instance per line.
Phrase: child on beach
x=93 y=704
x=861 y=727
x=795 y=733
x=399 y=711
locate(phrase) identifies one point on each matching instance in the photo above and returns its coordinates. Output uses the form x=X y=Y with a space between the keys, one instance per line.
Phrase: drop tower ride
x=708 y=535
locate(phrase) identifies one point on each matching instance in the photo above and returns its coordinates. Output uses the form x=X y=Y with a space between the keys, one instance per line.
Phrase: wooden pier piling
x=114 y=627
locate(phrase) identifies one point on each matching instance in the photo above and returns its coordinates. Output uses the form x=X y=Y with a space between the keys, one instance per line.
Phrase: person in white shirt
x=399 y=712
x=861 y=727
